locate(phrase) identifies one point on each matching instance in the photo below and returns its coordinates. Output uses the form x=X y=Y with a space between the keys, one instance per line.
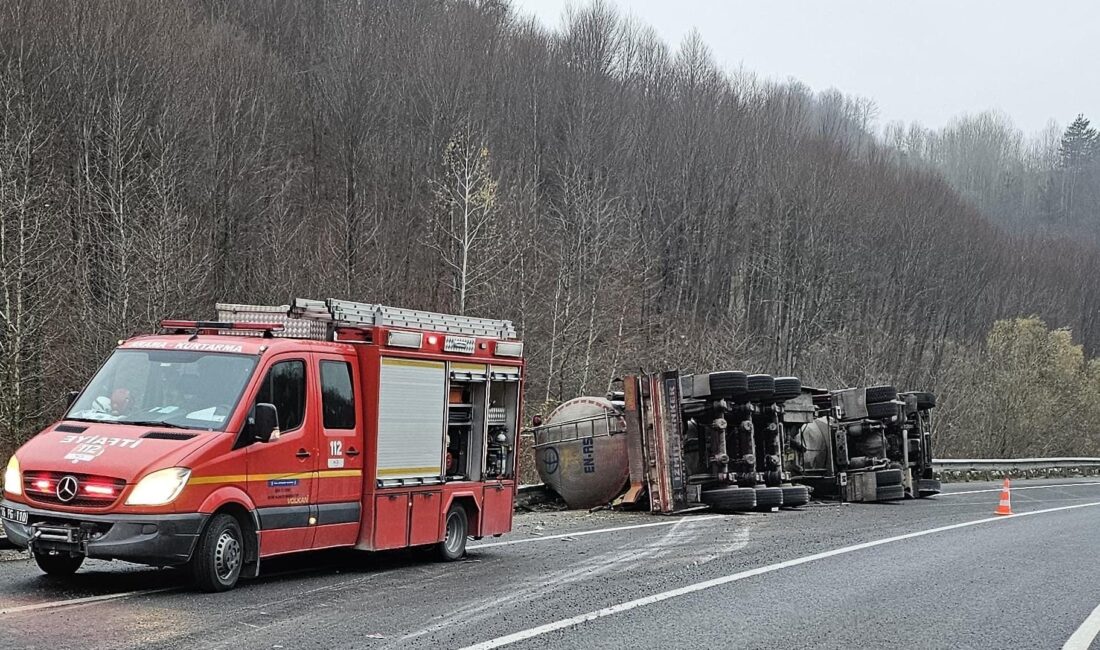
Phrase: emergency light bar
x=220 y=325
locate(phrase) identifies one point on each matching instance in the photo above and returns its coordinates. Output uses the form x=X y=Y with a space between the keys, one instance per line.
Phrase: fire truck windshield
x=171 y=388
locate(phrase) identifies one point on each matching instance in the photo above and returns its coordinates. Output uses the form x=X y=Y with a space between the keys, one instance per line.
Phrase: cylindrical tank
x=815 y=438
x=580 y=452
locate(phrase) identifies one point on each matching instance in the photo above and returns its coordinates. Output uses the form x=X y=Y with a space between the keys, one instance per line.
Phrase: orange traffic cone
x=1005 y=506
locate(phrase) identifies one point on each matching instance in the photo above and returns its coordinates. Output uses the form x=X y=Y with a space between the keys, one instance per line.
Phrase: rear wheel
x=925 y=400
x=761 y=387
x=453 y=546
x=882 y=410
x=728 y=384
x=219 y=555
x=768 y=498
x=879 y=394
x=795 y=496
x=730 y=499
x=787 y=388
x=59 y=565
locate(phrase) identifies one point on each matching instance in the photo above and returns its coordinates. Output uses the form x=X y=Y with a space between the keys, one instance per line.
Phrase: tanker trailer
x=580 y=451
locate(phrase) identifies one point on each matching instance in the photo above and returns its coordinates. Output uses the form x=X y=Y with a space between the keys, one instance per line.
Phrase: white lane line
x=82 y=601
x=1084 y=636
x=1025 y=487
x=582 y=533
x=523 y=635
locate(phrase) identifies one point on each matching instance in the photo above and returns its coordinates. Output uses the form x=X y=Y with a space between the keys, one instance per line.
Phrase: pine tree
x=1080 y=144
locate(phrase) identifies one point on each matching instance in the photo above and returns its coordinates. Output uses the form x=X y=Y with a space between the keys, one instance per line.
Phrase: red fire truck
x=276 y=430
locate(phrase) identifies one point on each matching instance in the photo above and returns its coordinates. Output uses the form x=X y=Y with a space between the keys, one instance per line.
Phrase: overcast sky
x=919 y=60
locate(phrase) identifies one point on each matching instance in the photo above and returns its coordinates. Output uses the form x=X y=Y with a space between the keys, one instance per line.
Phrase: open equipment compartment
x=466 y=402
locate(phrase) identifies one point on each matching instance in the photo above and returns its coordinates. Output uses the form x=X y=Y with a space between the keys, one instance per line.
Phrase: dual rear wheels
x=743 y=499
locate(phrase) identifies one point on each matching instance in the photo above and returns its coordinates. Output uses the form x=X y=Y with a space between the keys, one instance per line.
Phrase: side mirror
x=261 y=423
x=264 y=421
x=70 y=397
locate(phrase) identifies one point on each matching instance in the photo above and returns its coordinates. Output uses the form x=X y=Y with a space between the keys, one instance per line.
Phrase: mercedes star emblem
x=67 y=489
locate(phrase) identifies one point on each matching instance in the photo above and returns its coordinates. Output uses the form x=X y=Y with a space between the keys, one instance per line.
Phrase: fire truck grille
x=77 y=490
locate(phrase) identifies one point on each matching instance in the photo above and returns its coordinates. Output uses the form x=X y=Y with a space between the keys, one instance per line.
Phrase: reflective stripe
x=467 y=367
x=242 y=478
x=415 y=363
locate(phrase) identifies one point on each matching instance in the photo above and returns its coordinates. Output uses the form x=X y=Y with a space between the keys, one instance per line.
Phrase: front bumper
x=158 y=540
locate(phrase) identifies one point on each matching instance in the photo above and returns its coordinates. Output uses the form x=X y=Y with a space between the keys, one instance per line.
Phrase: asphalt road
x=918 y=574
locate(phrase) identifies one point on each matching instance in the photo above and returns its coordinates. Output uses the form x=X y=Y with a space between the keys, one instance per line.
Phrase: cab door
x=281 y=472
x=340 y=466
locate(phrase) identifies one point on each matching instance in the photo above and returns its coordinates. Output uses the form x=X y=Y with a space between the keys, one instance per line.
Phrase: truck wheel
x=881 y=410
x=768 y=498
x=728 y=384
x=787 y=388
x=888 y=477
x=60 y=565
x=879 y=394
x=928 y=487
x=925 y=400
x=761 y=387
x=890 y=493
x=730 y=499
x=219 y=555
x=795 y=496
x=453 y=546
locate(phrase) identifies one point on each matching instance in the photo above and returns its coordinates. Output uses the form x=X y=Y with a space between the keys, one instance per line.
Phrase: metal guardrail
x=996 y=464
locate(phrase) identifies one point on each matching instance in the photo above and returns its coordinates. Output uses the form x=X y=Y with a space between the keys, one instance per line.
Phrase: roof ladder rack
x=362 y=314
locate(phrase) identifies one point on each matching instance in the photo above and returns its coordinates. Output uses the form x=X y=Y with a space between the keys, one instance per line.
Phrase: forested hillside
x=624 y=200
x=1049 y=182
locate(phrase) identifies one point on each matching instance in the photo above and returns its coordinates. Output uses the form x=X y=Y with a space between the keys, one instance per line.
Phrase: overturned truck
x=732 y=441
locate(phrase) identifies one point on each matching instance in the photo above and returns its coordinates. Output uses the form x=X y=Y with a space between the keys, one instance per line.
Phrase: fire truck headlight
x=160 y=487
x=13 y=479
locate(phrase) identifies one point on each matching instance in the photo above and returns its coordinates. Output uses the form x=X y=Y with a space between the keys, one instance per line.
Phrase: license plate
x=13 y=514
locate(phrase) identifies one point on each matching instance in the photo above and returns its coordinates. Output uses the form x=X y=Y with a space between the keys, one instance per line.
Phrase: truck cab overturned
x=273 y=431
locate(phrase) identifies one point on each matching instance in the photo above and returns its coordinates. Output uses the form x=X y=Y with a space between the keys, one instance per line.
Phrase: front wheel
x=219 y=555
x=59 y=565
x=453 y=546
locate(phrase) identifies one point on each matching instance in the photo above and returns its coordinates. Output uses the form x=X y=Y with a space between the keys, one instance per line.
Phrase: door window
x=337 y=396
x=285 y=387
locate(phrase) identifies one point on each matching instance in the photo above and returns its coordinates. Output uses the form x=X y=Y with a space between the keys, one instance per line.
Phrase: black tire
x=761 y=387
x=730 y=499
x=61 y=565
x=768 y=498
x=456 y=528
x=879 y=394
x=787 y=388
x=795 y=496
x=728 y=384
x=882 y=410
x=928 y=487
x=888 y=477
x=925 y=400
x=219 y=555
x=890 y=493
